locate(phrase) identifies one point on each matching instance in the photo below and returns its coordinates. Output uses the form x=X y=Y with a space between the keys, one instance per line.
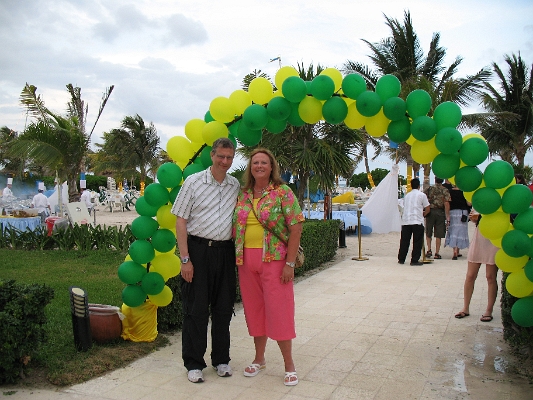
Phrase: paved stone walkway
x=365 y=330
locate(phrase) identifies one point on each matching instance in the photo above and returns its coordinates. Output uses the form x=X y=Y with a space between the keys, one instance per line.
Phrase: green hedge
x=320 y=243
x=22 y=321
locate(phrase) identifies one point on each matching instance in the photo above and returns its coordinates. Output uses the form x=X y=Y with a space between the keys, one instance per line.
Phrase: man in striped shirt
x=204 y=209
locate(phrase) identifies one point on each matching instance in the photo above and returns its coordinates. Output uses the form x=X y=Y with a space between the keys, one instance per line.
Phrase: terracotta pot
x=106 y=325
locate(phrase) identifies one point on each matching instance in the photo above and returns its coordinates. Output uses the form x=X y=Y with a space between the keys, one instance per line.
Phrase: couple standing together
x=258 y=228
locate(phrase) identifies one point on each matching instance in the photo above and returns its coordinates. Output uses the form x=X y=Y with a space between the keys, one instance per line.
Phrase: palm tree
x=508 y=126
x=133 y=146
x=60 y=143
x=401 y=54
x=12 y=165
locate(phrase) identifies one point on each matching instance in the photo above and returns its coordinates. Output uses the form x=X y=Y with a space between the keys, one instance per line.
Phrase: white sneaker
x=195 y=376
x=223 y=370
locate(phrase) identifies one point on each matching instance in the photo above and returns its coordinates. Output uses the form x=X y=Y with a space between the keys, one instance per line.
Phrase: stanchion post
x=360 y=258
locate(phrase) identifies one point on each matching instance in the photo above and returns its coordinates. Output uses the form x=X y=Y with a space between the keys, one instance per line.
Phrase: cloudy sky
x=169 y=58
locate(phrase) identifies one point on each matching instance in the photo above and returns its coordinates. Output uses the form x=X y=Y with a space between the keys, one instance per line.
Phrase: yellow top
x=253 y=238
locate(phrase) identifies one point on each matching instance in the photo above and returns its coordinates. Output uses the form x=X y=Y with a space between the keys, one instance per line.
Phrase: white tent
x=54 y=197
x=382 y=207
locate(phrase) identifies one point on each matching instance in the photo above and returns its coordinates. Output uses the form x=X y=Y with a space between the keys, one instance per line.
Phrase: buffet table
x=20 y=223
x=348 y=217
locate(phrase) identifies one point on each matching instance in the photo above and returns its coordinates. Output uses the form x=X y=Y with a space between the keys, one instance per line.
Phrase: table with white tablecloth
x=20 y=223
x=348 y=217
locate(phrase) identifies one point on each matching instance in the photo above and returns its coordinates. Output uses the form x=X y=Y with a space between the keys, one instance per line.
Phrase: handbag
x=300 y=257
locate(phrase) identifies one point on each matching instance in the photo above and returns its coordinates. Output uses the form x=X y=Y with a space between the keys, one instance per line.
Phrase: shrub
x=22 y=320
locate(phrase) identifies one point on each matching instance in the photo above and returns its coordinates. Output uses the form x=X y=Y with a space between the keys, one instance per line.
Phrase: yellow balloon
x=410 y=140
x=424 y=152
x=212 y=131
x=468 y=195
x=193 y=129
x=182 y=164
x=277 y=93
x=347 y=100
x=354 y=120
x=221 y=109
x=377 y=125
x=165 y=218
x=163 y=298
x=167 y=264
x=240 y=101
x=310 y=110
x=509 y=264
x=497 y=242
x=179 y=149
x=334 y=74
x=518 y=285
x=260 y=90
x=471 y=135
x=495 y=225
x=282 y=74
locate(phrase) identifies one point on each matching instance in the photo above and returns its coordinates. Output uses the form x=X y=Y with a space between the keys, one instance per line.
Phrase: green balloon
x=474 y=151
x=530 y=252
x=528 y=269
x=394 y=108
x=205 y=158
x=368 y=103
x=353 y=85
x=399 y=130
x=133 y=296
x=468 y=179
x=334 y=110
x=143 y=227
x=276 y=126
x=418 y=103
x=448 y=140
x=486 y=200
x=141 y=251
x=163 y=240
x=294 y=89
x=516 y=199
x=524 y=221
x=447 y=115
x=294 y=118
x=498 y=174
x=156 y=195
x=322 y=87
x=208 y=117
x=152 y=283
x=522 y=312
x=255 y=117
x=445 y=165
x=143 y=208
x=279 y=108
x=169 y=174
x=249 y=137
x=191 y=169
x=233 y=140
x=174 y=193
x=388 y=86
x=233 y=127
x=516 y=243
x=423 y=128
x=131 y=272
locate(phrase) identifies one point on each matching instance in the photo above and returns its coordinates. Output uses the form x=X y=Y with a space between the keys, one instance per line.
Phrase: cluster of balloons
x=330 y=97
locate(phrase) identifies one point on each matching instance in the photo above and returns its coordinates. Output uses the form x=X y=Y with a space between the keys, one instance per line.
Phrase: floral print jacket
x=278 y=209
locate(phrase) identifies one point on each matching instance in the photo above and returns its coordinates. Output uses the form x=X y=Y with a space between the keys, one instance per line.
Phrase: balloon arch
x=335 y=99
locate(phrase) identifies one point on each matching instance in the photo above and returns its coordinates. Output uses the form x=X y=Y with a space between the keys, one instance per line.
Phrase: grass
x=58 y=362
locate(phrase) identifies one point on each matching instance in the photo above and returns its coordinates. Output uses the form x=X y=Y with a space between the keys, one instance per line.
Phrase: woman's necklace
x=260 y=190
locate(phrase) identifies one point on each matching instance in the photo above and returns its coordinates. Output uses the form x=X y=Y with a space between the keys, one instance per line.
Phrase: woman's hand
x=287 y=274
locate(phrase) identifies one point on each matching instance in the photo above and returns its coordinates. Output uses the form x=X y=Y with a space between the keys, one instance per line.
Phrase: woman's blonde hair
x=275 y=177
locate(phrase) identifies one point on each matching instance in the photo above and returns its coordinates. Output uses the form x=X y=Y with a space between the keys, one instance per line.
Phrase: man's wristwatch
x=291 y=264
x=185 y=260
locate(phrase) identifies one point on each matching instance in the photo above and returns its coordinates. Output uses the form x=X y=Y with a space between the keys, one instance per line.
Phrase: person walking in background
x=41 y=203
x=439 y=217
x=457 y=235
x=204 y=209
x=7 y=194
x=481 y=251
x=415 y=208
x=86 y=196
x=267 y=226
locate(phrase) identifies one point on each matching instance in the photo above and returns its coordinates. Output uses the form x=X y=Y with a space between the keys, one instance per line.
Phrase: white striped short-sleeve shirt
x=207 y=205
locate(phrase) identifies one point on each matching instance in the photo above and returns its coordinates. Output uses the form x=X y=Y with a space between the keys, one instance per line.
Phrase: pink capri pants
x=268 y=304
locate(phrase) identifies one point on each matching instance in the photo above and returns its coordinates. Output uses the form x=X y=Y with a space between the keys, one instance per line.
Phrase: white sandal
x=256 y=368
x=287 y=381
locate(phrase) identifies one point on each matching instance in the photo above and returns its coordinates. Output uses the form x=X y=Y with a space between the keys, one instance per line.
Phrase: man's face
x=222 y=159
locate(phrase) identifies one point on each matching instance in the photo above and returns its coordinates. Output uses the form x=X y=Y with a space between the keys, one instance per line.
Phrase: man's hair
x=223 y=142
x=415 y=183
x=438 y=180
